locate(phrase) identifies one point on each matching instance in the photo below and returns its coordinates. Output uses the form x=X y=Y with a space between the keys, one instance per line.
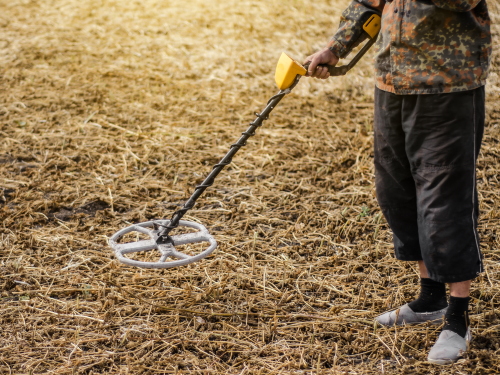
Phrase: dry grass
x=112 y=111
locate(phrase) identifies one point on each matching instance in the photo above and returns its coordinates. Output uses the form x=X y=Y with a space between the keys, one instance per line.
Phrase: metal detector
x=157 y=232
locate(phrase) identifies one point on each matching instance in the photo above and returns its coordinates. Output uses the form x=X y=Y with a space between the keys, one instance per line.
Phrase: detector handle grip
x=336 y=71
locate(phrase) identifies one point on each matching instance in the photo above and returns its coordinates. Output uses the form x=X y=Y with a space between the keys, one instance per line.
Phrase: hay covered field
x=112 y=111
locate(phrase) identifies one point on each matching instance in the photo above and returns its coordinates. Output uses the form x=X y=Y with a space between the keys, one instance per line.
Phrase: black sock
x=432 y=296
x=457 y=315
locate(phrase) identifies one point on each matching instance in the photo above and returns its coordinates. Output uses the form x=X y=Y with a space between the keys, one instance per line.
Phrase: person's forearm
x=350 y=32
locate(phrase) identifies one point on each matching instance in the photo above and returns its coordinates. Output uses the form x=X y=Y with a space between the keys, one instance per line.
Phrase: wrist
x=336 y=48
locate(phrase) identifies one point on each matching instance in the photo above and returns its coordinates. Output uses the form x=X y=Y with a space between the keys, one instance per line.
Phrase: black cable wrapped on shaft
x=163 y=235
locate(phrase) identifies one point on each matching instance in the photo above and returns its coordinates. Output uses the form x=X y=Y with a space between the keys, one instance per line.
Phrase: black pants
x=426 y=148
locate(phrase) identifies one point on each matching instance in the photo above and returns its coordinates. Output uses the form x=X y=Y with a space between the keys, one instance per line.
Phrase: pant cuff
x=453 y=278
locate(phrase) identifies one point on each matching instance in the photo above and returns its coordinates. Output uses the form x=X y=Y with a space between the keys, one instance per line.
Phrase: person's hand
x=323 y=57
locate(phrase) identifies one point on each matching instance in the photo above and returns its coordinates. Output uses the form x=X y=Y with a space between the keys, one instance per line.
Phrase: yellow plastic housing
x=372 y=26
x=286 y=71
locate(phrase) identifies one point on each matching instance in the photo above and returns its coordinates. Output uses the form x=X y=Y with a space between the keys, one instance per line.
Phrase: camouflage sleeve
x=350 y=32
x=456 y=5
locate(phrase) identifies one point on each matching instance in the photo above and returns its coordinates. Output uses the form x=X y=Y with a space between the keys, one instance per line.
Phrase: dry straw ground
x=111 y=111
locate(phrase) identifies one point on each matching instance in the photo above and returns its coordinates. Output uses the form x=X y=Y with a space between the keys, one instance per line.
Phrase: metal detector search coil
x=166 y=249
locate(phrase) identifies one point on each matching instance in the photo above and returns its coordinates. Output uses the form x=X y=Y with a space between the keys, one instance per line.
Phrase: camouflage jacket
x=424 y=46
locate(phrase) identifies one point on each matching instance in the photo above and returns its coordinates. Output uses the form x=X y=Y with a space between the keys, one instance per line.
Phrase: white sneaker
x=449 y=347
x=405 y=315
